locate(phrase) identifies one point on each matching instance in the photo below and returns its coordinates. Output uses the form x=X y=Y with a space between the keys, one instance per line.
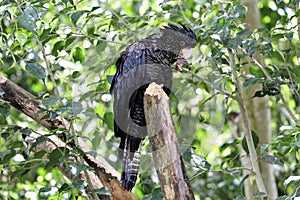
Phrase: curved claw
x=181 y=61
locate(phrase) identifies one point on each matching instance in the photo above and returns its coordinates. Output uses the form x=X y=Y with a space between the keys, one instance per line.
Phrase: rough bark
x=258 y=111
x=27 y=104
x=167 y=158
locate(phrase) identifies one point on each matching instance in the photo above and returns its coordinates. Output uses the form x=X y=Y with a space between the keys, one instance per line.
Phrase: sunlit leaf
x=78 y=55
x=109 y=120
x=78 y=168
x=21 y=37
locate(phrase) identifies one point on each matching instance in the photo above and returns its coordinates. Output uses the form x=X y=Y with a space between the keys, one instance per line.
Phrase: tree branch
x=27 y=104
x=248 y=135
x=167 y=158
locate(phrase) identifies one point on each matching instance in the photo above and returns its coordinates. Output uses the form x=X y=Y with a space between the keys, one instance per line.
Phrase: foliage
x=64 y=52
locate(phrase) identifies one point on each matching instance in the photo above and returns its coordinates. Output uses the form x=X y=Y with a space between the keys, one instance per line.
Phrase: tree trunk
x=258 y=111
x=167 y=158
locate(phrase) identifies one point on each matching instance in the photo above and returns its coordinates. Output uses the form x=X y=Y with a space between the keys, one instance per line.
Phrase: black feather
x=143 y=62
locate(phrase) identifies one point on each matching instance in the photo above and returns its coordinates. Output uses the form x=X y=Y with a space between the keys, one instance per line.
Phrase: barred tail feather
x=131 y=162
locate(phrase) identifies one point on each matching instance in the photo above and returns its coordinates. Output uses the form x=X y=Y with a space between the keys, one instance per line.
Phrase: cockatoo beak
x=183 y=55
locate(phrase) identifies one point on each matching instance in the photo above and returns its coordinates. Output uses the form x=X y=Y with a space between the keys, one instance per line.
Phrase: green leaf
x=234 y=42
x=102 y=191
x=271 y=159
x=30 y=11
x=78 y=55
x=36 y=70
x=64 y=187
x=260 y=195
x=27 y=22
x=205 y=164
x=75 y=16
x=45 y=189
x=157 y=194
x=285 y=197
x=187 y=154
x=259 y=93
x=6 y=156
x=38 y=141
x=250 y=82
x=244 y=32
x=255 y=142
x=4 y=109
x=79 y=167
x=109 y=120
x=39 y=154
x=21 y=37
x=69 y=41
x=263 y=148
x=101 y=47
x=76 y=108
x=26 y=131
x=58 y=46
x=55 y=156
x=75 y=74
x=109 y=78
x=45 y=34
x=50 y=101
x=5 y=135
x=239 y=10
x=78 y=184
x=65 y=2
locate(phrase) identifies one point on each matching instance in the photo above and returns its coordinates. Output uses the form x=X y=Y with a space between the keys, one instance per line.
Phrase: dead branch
x=167 y=158
x=29 y=105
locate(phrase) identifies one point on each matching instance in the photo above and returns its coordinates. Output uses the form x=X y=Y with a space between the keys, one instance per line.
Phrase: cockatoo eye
x=182 y=43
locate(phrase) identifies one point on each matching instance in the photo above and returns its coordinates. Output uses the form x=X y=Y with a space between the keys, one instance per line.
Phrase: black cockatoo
x=143 y=62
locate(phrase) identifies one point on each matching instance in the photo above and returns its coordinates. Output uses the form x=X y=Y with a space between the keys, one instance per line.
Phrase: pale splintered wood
x=167 y=158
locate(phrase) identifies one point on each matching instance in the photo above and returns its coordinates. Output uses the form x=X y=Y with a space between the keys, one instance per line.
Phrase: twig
x=208 y=83
x=44 y=57
x=248 y=135
x=56 y=91
x=204 y=170
x=293 y=116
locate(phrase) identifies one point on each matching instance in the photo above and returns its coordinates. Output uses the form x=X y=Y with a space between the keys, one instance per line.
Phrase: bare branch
x=167 y=158
x=27 y=104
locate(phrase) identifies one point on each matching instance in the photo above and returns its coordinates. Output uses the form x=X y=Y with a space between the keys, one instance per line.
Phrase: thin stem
x=293 y=116
x=56 y=91
x=42 y=49
x=208 y=83
x=248 y=135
